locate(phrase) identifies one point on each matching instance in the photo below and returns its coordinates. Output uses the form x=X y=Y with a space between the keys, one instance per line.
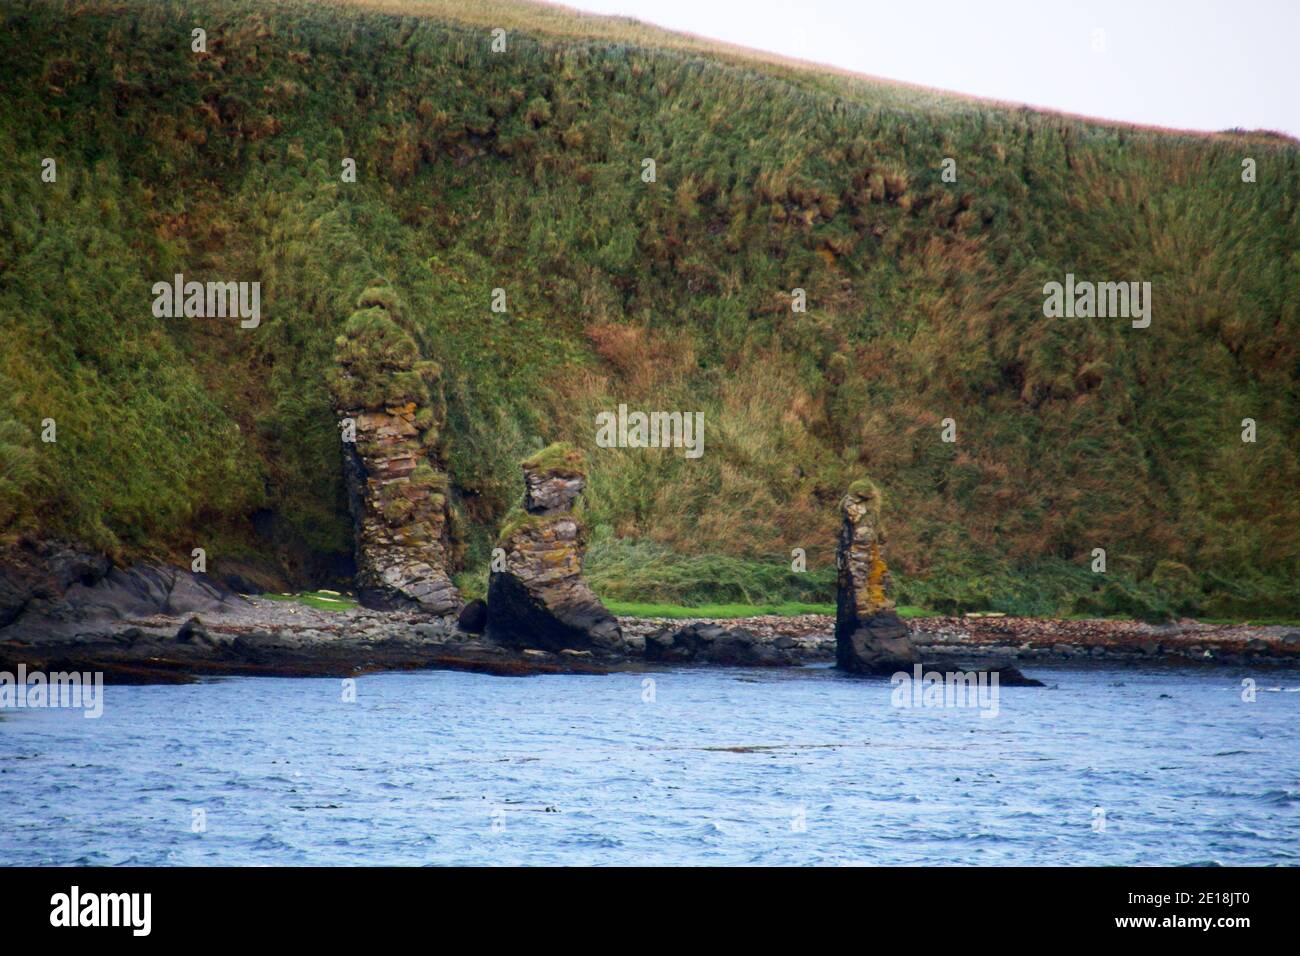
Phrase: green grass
x=1255 y=621
x=521 y=171
x=316 y=599
x=724 y=611
x=790 y=609
x=635 y=609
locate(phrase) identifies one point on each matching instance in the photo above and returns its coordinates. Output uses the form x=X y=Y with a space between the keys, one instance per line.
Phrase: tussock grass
x=522 y=171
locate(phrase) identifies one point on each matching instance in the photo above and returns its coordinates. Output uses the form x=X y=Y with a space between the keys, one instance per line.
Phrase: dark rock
x=70 y=566
x=34 y=574
x=473 y=617
x=678 y=645
x=1007 y=673
x=660 y=646
x=14 y=595
x=547 y=618
x=549 y=494
x=146 y=590
x=1009 y=676
x=877 y=645
x=241 y=585
x=193 y=632
x=55 y=591
x=712 y=644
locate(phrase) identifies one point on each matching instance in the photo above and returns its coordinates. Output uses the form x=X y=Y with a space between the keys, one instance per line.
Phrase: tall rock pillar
x=390 y=405
x=870 y=638
x=536 y=595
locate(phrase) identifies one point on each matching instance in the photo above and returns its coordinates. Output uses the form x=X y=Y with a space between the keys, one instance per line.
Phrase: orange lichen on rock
x=869 y=635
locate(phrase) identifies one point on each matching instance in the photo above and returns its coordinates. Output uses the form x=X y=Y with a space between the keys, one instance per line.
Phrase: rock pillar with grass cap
x=397 y=490
x=870 y=637
x=539 y=599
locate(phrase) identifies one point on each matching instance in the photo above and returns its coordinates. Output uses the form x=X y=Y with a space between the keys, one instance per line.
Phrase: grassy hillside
x=522 y=171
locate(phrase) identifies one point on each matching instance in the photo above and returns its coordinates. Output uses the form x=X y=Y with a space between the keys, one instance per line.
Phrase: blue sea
x=688 y=766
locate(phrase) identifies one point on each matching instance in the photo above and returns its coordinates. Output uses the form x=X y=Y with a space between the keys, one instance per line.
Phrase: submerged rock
x=389 y=402
x=870 y=637
x=537 y=598
x=1007 y=673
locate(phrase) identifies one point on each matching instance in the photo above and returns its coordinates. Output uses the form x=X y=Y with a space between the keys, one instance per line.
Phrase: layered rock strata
x=536 y=594
x=391 y=412
x=870 y=637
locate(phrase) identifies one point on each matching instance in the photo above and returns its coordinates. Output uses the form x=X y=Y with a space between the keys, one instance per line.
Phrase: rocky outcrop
x=260 y=637
x=473 y=617
x=537 y=597
x=870 y=637
x=50 y=590
x=704 y=643
x=389 y=401
x=36 y=574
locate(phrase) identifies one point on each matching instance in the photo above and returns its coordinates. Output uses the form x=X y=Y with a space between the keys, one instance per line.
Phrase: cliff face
x=536 y=595
x=390 y=416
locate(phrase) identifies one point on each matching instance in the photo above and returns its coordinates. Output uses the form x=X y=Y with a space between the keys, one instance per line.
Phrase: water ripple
x=722 y=767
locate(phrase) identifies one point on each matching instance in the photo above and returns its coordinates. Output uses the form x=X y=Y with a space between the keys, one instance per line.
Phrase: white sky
x=1188 y=64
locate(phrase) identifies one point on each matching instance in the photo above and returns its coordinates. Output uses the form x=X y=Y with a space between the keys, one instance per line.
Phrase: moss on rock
x=559 y=458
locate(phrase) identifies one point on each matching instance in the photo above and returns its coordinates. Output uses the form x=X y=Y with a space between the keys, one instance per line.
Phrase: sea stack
x=870 y=637
x=536 y=595
x=391 y=412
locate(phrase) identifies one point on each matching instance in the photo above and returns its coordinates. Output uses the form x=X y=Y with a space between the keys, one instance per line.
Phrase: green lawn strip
x=719 y=611
x=316 y=599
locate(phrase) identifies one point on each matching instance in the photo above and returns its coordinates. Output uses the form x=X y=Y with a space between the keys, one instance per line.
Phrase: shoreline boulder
x=536 y=595
x=710 y=643
x=870 y=637
x=390 y=405
x=55 y=591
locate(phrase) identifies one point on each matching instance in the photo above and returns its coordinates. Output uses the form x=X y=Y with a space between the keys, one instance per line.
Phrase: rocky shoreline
x=258 y=636
x=64 y=609
x=811 y=638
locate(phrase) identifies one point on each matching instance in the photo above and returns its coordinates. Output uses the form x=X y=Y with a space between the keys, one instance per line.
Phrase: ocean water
x=703 y=766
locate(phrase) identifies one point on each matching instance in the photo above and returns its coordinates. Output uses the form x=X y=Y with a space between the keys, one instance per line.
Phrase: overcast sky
x=1189 y=64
